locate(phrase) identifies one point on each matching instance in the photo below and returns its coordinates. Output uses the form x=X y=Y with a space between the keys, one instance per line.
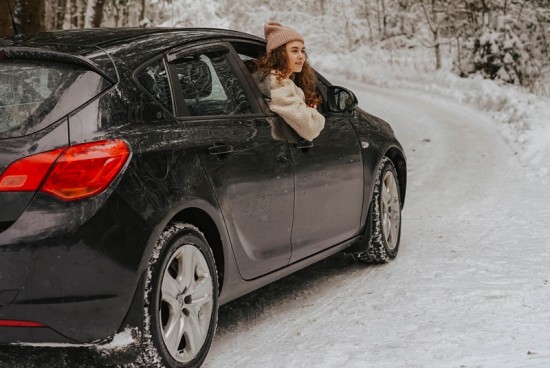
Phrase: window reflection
x=155 y=81
x=209 y=85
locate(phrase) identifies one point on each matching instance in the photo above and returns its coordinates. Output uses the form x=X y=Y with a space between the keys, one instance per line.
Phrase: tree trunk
x=31 y=15
x=459 y=56
x=367 y=17
x=142 y=13
x=380 y=15
x=60 y=10
x=6 y=25
x=384 y=19
x=97 y=16
x=437 y=46
x=73 y=18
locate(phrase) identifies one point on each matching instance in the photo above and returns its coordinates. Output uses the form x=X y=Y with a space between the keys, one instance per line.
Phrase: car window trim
x=135 y=80
x=202 y=47
x=179 y=106
x=262 y=103
x=252 y=116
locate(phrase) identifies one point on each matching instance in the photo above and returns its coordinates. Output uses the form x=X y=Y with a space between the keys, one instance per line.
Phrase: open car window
x=249 y=52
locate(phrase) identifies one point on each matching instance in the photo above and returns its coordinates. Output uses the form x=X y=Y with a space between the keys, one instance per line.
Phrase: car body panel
x=14 y=203
x=329 y=189
x=254 y=187
x=50 y=263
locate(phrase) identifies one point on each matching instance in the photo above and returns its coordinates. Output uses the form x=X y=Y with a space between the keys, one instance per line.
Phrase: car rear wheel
x=385 y=216
x=181 y=299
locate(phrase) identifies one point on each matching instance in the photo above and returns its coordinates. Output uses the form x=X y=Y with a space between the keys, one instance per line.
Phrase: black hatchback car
x=144 y=181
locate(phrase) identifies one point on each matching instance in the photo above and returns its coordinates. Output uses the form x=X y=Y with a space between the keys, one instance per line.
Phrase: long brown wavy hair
x=276 y=59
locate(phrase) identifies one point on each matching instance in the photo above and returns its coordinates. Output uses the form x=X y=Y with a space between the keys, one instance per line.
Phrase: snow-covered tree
x=505 y=40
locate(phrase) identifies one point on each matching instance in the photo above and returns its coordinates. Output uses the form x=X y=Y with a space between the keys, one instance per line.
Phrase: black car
x=144 y=181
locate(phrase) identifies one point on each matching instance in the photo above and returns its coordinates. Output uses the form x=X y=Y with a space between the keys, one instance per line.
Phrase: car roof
x=101 y=47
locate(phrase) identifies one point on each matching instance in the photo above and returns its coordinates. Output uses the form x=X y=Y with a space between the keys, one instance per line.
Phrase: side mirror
x=341 y=99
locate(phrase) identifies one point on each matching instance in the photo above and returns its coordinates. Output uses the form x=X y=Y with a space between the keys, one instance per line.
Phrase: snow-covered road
x=470 y=287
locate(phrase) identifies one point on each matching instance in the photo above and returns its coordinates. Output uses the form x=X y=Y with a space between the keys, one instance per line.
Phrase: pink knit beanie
x=276 y=35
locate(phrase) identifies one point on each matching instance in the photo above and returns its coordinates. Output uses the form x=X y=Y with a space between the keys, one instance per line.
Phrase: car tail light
x=18 y=323
x=27 y=174
x=72 y=173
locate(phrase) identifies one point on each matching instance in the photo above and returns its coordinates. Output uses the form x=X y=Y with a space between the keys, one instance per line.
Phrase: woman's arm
x=287 y=100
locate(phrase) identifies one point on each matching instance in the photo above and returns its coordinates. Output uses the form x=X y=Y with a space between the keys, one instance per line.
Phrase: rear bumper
x=72 y=267
x=124 y=348
x=31 y=335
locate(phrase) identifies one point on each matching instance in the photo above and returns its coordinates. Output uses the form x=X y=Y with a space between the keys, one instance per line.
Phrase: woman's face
x=295 y=56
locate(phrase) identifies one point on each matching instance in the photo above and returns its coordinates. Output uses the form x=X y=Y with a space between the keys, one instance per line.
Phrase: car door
x=250 y=172
x=328 y=174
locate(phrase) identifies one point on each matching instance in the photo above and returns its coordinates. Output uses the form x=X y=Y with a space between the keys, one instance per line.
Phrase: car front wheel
x=181 y=299
x=385 y=216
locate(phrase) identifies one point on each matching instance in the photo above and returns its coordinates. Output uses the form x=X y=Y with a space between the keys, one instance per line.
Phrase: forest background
x=503 y=40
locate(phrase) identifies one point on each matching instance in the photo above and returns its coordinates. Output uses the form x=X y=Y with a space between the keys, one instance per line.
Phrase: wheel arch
x=398 y=159
x=202 y=220
x=206 y=223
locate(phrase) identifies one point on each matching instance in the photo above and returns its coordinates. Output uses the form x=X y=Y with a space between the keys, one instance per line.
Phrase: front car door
x=250 y=172
x=328 y=176
x=329 y=186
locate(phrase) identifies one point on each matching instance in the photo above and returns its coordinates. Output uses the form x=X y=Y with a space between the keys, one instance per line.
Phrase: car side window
x=210 y=85
x=155 y=80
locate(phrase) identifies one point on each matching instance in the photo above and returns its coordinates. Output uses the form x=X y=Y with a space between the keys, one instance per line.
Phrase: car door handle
x=220 y=149
x=304 y=144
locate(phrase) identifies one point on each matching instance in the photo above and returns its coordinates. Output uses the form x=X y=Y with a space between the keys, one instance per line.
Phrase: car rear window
x=35 y=94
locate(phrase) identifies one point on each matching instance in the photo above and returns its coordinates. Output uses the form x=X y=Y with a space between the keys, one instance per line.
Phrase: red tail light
x=17 y=323
x=76 y=172
x=26 y=175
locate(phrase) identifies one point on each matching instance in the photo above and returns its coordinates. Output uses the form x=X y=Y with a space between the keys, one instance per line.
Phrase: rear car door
x=250 y=172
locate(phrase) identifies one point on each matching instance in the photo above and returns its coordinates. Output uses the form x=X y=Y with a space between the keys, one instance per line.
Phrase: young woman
x=287 y=80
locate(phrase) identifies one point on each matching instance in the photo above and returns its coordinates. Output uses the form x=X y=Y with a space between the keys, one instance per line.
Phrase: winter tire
x=181 y=299
x=385 y=216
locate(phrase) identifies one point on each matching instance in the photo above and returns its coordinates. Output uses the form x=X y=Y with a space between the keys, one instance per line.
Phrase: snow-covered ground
x=470 y=287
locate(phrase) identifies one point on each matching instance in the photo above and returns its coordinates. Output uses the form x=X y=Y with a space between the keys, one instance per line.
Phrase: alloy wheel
x=186 y=303
x=390 y=210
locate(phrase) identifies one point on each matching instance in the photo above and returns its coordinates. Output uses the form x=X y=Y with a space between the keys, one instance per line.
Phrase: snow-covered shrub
x=503 y=51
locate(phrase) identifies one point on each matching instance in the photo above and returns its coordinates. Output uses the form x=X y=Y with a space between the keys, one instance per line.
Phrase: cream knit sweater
x=287 y=100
